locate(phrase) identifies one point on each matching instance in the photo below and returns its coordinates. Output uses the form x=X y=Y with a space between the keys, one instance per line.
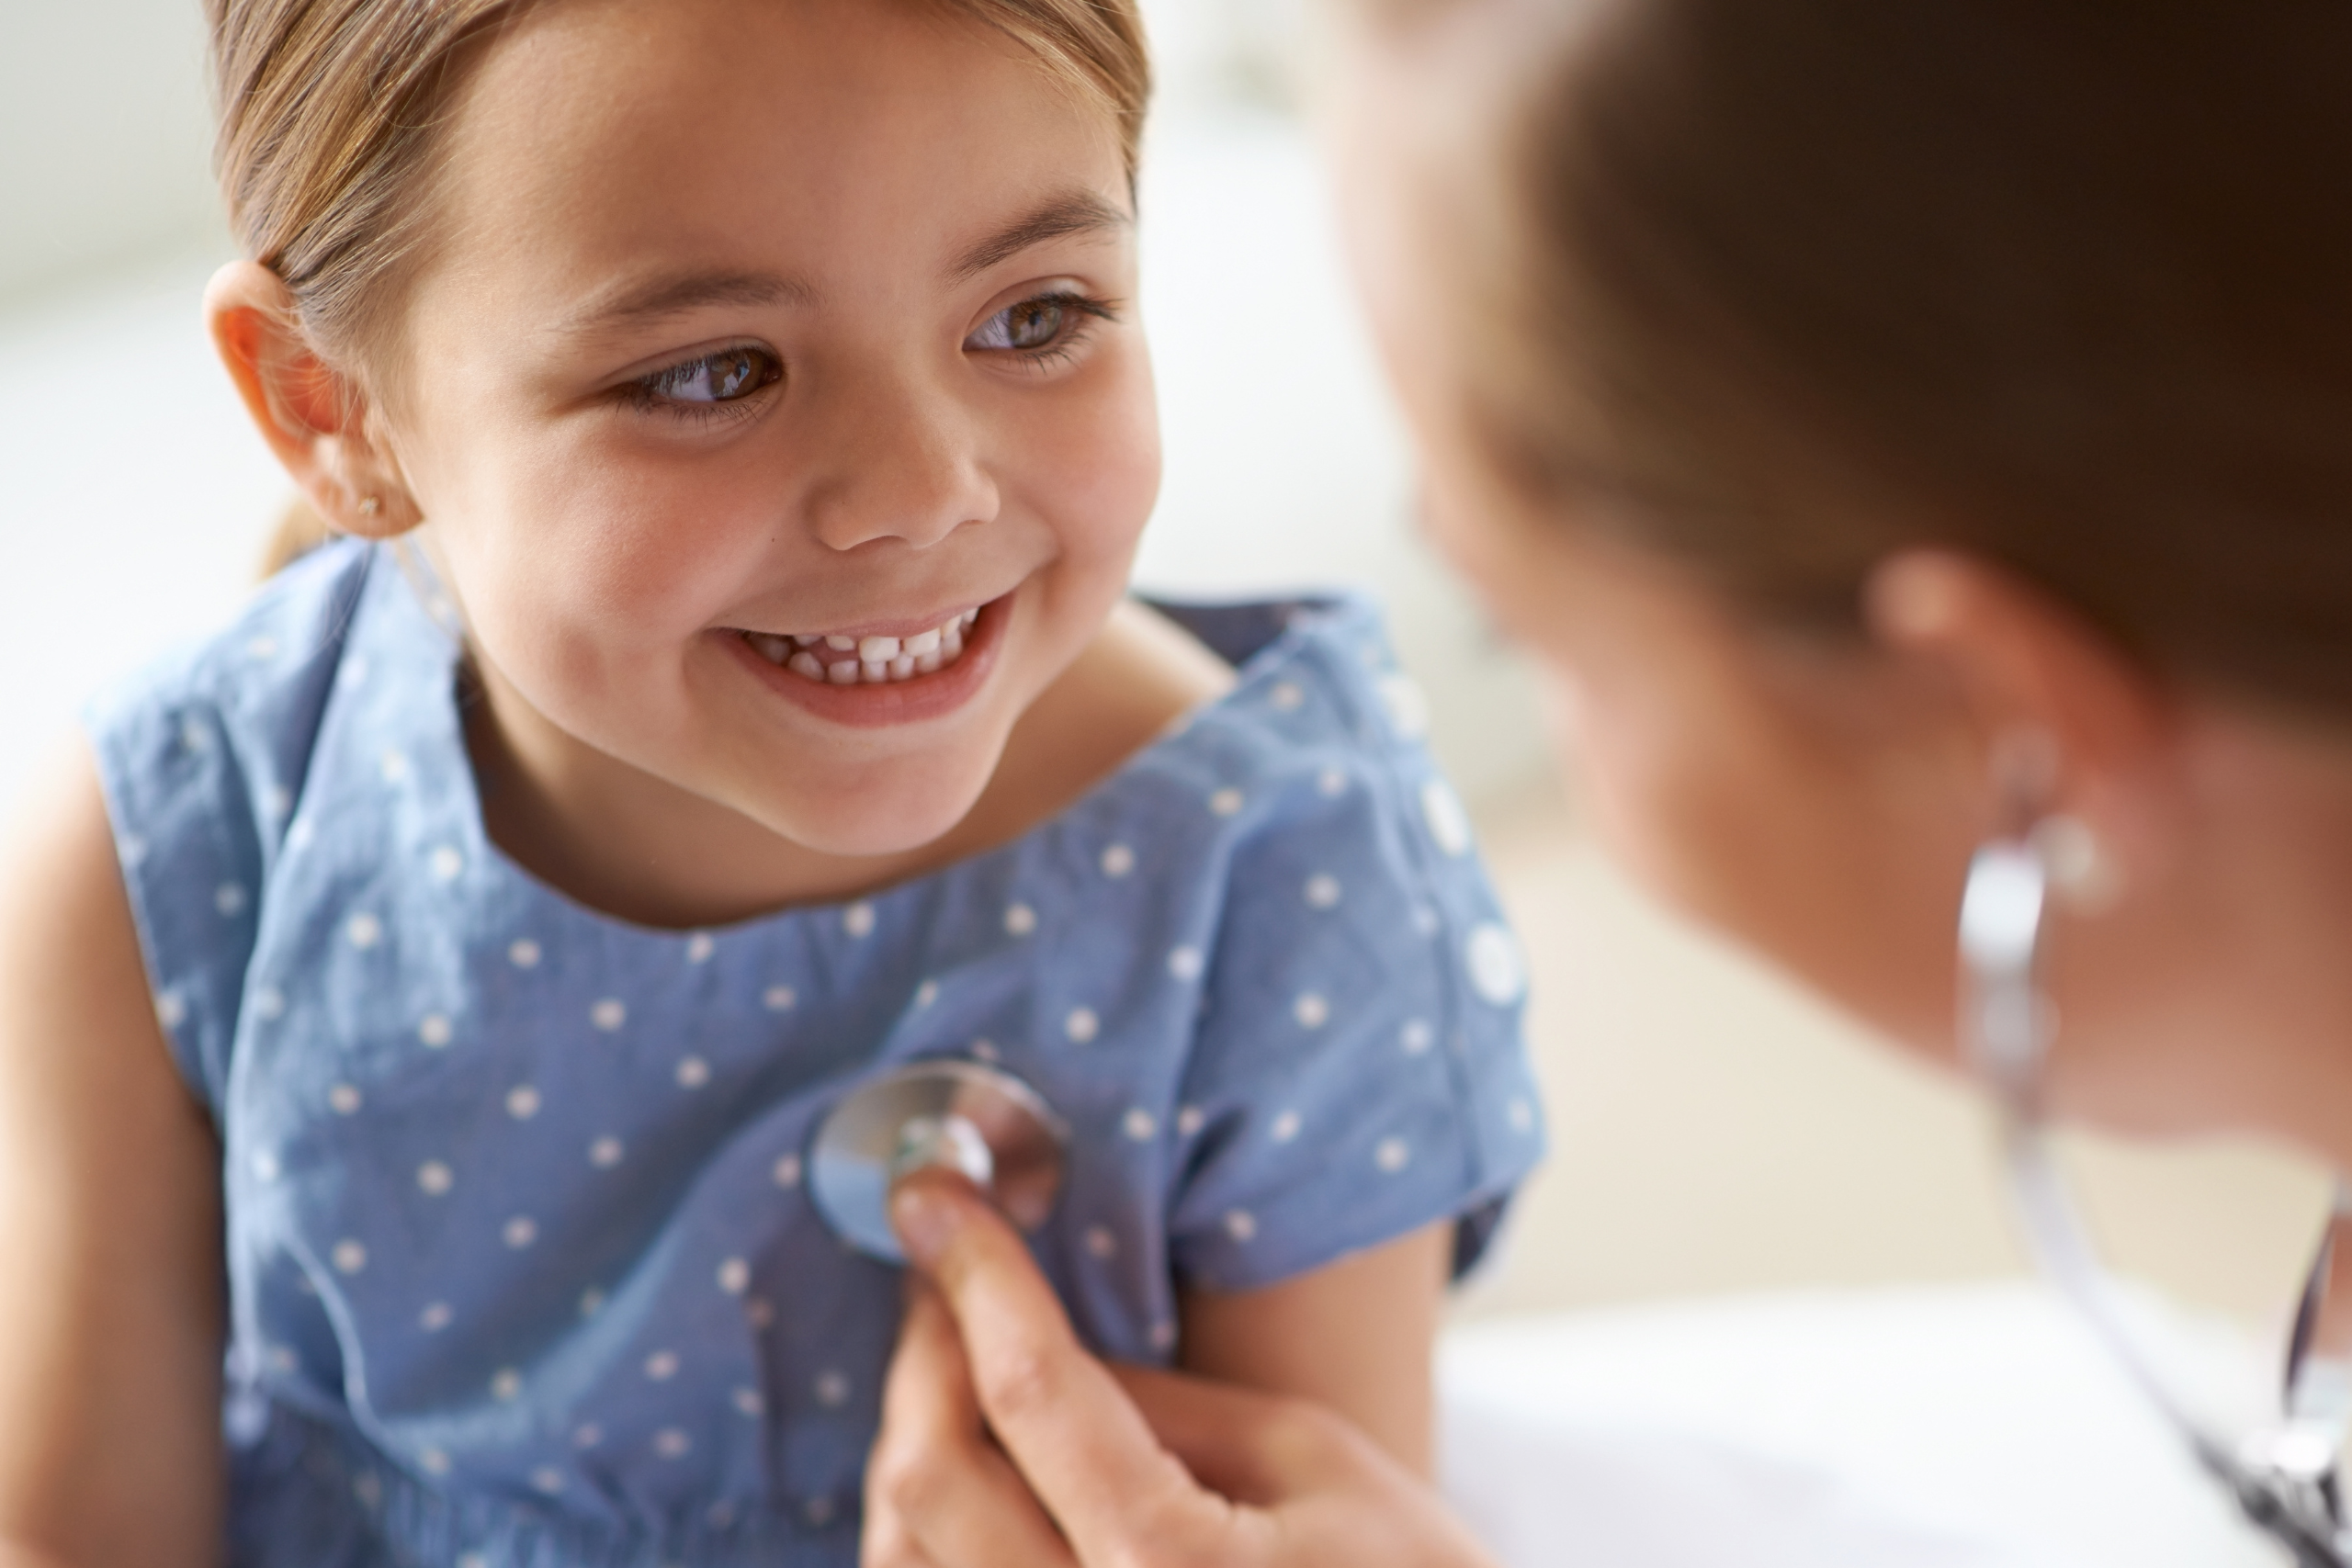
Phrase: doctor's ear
x=315 y=417
x=2064 y=720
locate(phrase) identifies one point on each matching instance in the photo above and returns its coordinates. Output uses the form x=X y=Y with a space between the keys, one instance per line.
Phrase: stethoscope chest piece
x=988 y=1126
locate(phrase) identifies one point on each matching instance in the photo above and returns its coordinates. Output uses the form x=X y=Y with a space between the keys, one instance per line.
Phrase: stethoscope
x=979 y=1121
x=2284 y=1477
x=1004 y=1136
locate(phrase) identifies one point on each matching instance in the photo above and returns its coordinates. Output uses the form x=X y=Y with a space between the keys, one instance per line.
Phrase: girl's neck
x=638 y=848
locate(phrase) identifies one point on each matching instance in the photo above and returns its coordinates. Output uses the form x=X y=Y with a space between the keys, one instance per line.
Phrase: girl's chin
x=881 y=824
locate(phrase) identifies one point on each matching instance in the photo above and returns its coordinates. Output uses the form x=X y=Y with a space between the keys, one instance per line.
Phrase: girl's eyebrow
x=1074 y=211
x=644 y=300
x=636 y=303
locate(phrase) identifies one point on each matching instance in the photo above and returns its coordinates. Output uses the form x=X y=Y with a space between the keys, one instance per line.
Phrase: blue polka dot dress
x=521 y=1264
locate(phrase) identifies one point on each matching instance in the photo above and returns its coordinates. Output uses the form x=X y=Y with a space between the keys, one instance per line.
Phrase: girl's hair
x=1786 y=285
x=331 y=120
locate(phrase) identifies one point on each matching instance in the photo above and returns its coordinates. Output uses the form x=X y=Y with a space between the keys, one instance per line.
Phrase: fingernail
x=925 y=1223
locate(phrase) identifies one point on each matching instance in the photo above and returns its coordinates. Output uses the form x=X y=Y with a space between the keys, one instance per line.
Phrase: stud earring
x=370 y=506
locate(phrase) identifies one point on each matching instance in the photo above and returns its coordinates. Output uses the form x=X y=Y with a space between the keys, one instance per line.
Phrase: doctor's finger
x=1062 y=1417
x=938 y=1492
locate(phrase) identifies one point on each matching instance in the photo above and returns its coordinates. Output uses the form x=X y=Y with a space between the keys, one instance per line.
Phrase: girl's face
x=774 y=395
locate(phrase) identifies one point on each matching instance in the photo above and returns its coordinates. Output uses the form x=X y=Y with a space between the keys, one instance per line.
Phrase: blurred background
x=1716 y=1133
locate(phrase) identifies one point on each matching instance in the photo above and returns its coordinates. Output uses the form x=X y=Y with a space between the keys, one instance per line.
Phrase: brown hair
x=331 y=113
x=2067 y=284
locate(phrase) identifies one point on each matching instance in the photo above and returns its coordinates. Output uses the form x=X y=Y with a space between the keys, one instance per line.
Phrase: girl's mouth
x=840 y=659
x=876 y=676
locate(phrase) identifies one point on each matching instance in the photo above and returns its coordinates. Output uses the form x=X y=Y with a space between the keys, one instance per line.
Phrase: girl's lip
x=923 y=697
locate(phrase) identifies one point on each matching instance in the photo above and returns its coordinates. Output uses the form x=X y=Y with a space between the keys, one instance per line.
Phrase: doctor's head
x=1885 y=421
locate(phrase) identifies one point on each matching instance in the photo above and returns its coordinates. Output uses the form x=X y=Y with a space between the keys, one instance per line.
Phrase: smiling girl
x=720 y=691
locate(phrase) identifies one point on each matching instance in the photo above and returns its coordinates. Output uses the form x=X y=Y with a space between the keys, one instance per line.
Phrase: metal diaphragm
x=987 y=1125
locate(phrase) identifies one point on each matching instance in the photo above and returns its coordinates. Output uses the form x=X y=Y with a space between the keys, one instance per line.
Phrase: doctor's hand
x=1005 y=1445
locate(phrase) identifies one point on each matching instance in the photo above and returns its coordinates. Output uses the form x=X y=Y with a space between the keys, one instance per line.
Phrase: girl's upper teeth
x=871 y=660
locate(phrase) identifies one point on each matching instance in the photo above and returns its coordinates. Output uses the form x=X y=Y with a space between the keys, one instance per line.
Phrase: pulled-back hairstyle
x=331 y=120
x=2067 y=284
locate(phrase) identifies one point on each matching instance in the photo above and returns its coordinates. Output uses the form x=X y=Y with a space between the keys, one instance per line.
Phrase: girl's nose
x=904 y=464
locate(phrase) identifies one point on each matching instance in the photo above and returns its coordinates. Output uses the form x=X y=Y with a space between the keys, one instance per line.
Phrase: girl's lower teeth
x=867 y=661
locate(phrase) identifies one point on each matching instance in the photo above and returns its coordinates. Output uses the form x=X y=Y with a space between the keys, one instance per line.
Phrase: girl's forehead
x=822 y=138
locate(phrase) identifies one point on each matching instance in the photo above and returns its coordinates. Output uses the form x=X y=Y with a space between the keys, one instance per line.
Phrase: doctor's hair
x=1781 y=287
x=332 y=127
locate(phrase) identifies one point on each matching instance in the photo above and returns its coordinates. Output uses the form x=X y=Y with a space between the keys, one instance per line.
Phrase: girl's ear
x=314 y=417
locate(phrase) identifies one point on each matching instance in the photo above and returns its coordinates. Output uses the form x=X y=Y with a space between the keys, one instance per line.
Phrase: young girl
x=427 y=989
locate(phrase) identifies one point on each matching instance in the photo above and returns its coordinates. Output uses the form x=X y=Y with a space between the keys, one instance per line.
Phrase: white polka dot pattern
x=1495 y=973
x=1448 y=822
x=1232 y=967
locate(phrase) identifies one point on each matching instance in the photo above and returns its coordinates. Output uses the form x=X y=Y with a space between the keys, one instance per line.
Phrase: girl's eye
x=1037 y=327
x=726 y=376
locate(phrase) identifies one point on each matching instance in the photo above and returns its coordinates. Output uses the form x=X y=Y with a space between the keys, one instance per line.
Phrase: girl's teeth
x=872 y=662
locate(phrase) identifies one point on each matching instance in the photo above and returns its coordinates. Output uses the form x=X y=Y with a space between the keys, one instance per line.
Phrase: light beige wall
x=104 y=138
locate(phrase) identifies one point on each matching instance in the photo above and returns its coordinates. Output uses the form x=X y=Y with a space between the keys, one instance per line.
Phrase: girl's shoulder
x=1318 y=711
x=272 y=662
x=201 y=757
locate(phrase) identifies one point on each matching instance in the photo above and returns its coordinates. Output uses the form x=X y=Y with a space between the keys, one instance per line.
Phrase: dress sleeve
x=1359 y=1071
x=184 y=836
x=201 y=757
